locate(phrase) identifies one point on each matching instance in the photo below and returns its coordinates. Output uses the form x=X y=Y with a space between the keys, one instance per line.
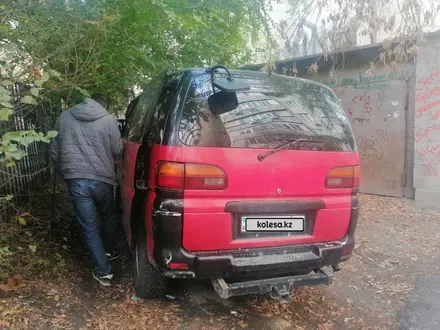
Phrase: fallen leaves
x=384 y=231
x=243 y=324
x=136 y=317
x=13 y=283
x=133 y=300
x=13 y=316
x=353 y=287
x=326 y=326
x=391 y=287
x=4 y=324
x=11 y=312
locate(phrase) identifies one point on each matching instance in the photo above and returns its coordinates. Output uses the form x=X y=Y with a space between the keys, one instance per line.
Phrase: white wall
x=427 y=125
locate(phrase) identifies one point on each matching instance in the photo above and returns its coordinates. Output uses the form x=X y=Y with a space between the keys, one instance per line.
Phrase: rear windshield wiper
x=263 y=156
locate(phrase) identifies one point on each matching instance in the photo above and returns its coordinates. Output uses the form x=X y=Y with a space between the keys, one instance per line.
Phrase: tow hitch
x=279 y=288
x=281 y=292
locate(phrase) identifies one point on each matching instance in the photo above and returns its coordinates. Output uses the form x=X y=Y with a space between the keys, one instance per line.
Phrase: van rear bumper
x=175 y=262
x=277 y=287
x=264 y=262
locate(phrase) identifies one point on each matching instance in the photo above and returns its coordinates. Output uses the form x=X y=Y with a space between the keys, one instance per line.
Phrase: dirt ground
x=391 y=282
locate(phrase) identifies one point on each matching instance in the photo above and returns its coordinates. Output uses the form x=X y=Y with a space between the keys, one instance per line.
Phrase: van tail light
x=170 y=175
x=176 y=265
x=187 y=176
x=343 y=177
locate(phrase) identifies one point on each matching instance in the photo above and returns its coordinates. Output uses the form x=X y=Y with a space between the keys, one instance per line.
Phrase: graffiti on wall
x=382 y=99
x=370 y=100
x=370 y=82
x=365 y=100
x=372 y=151
x=424 y=134
x=427 y=146
x=370 y=147
x=362 y=120
x=428 y=95
x=429 y=169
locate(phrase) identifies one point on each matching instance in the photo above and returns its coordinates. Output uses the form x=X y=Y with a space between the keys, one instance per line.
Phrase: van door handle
x=141 y=185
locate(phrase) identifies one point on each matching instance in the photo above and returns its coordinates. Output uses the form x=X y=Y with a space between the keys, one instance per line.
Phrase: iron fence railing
x=32 y=171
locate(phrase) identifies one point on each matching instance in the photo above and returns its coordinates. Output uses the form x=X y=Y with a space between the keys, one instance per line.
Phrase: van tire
x=148 y=282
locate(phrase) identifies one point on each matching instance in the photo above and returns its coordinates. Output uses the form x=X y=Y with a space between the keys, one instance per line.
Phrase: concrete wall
x=404 y=105
x=376 y=104
x=427 y=125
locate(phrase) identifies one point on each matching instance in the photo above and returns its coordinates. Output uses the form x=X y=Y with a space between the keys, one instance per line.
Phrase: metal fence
x=31 y=172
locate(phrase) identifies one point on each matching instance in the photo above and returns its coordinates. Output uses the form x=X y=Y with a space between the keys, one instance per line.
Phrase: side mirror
x=222 y=102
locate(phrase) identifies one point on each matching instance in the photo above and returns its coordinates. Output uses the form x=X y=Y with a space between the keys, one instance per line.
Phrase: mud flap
x=279 y=287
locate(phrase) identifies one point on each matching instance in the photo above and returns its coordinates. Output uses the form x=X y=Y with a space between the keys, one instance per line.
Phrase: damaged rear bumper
x=175 y=262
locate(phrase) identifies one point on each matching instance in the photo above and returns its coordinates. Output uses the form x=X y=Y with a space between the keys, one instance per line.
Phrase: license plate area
x=272 y=224
x=237 y=232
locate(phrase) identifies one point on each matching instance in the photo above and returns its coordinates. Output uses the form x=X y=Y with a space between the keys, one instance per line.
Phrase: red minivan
x=245 y=178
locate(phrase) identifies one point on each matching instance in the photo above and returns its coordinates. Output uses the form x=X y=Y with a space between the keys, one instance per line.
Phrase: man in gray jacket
x=85 y=152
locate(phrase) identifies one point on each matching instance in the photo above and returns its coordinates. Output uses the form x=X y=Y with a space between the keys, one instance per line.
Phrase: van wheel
x=148 y=282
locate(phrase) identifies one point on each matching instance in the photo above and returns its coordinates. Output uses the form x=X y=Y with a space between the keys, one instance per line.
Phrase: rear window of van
x=276 y=110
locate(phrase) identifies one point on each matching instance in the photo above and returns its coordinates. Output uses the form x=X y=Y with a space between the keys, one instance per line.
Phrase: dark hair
x=101 y=99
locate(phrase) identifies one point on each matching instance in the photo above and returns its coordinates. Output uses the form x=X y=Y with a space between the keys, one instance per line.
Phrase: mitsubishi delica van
x=244 y=178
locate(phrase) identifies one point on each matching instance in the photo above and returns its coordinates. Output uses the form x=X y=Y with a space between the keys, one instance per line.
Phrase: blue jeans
x=94 y=206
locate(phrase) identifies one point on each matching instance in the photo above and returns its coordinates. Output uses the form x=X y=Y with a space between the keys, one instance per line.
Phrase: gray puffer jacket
x=88 y=143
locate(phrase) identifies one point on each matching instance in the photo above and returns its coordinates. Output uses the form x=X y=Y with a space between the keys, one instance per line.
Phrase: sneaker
x=103 y=280
x=112 y=256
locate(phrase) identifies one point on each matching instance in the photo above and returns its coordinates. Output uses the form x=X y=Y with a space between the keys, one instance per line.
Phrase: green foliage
x=110 y=46
x=6 y=198
x=4 y=252
x=27 y=99
x=5 y=114
x=22 y=221
x=13 y=145
x=51 y=134
x=65 y=50
x=4 y=95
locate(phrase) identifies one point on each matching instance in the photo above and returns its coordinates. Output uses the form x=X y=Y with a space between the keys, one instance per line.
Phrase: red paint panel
x=149 y=225
x=286 y=175
x=126 y=170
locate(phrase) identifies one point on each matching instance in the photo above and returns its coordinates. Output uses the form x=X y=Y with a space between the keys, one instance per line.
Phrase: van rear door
x=130 y=173
x=240 y=191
